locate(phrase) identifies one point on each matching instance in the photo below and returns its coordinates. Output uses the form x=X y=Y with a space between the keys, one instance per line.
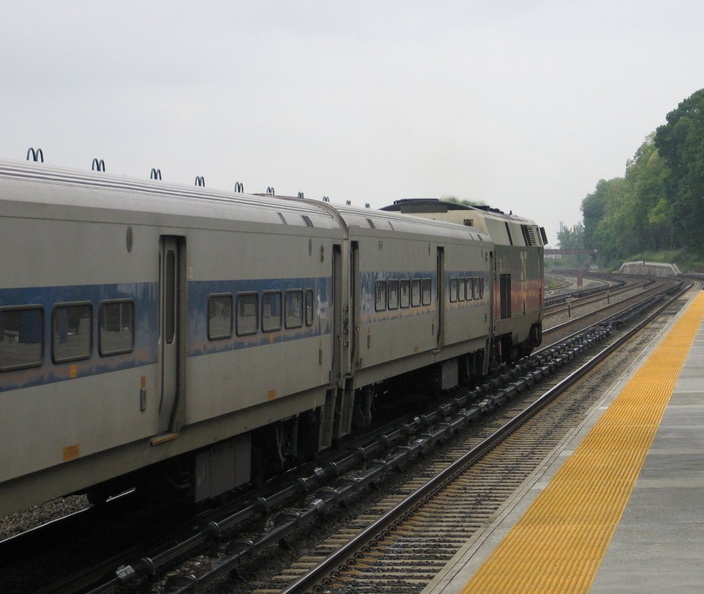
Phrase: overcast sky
x=524 y=105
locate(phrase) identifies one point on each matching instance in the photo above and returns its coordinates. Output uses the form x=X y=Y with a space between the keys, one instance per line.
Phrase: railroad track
x=556 y=296
x=615 y=291
x=402 y=549
x=560 y=321
x=343 y=562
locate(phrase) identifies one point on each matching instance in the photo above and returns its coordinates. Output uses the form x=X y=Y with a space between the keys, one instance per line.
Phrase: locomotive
x=157 y=333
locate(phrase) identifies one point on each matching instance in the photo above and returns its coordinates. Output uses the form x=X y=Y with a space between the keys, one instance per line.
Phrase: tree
x=659 y=203
x=593 y=210
x=631 y=214
x=680 y=144
x=571 y=238
x=646 y=176
x=606 y=224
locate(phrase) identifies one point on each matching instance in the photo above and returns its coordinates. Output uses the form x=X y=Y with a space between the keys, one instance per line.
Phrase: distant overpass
x=556 y=252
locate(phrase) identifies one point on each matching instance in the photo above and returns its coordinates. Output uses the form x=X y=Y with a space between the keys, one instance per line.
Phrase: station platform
x=619 y=506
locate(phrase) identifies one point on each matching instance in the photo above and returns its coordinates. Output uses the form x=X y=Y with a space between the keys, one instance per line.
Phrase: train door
x=441 y=298
x=339 y=325
x=334 y=398
x=354 y=307
x=171 y=320
x=492 y=285
x=350 y=341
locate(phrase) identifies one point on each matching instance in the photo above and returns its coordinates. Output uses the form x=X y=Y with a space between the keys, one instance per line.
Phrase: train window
x=508 y=233
x=170 y=297
x=271 y=311
x=426 y=291
x=405 y=298
x=219 y=317
x=461 y=288
x=294 y=309
x=480 y=288
x=393 y=294
x=544 y=236
x=71 y=332
x=453 y=290
x=116 y=328
x=380 y=295
x=21 y=337
x=309 y=307
x=415 y=292
x=247 y=313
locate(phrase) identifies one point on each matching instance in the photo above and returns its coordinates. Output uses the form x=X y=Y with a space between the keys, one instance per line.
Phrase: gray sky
x=524 y=105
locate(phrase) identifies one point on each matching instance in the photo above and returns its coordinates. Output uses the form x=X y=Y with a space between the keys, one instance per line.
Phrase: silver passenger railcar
x=140 y=321
x=418 y=300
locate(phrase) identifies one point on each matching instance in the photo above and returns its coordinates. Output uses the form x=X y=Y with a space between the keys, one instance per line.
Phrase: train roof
x=36 y=183
x=368 y=219
x=436 y=205
x=24 y=183
x=504 y=229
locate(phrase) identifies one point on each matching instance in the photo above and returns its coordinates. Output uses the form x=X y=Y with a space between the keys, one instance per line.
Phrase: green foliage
x=680 y=143
x=659 y=203
x=571 y=238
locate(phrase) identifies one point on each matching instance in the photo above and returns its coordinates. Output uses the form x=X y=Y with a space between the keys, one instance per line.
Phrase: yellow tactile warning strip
x=559 y=542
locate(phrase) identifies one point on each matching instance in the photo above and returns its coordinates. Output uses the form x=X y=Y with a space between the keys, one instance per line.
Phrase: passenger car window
x=427 y=286
x=380 y=296
x=415 y=292
x=21 y=337
x=271 y=311
x=405 y=297
x=247 y=314
x=71 y=332
x=294 y=309
x=393 y=294
x=219 y=317
x=170 y=297
x=309 y=307
x=116 y=329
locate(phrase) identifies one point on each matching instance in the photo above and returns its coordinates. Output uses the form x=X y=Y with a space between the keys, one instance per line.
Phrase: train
x=156 y=333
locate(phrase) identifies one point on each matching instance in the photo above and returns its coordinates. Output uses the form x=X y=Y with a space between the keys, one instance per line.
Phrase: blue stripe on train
x=200 y=291
x=145 y=297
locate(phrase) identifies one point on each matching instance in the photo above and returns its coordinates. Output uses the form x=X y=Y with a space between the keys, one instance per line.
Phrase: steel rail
x=392 y=519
